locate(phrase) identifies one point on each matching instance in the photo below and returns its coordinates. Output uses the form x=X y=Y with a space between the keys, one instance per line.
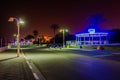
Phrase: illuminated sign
x=91 y=31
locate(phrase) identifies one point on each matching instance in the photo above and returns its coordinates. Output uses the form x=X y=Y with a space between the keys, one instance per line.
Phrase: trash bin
x=100 y=48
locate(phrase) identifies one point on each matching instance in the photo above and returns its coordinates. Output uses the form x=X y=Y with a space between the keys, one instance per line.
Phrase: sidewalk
x=14 y=68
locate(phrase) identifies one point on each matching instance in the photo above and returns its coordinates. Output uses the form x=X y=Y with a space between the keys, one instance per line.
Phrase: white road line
x=36 y=77
x=29 y=65
x=34 y=74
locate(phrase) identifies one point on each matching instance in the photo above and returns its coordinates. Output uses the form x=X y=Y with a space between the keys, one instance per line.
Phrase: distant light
x=66 y=30
x=61 y=30
x=14 y=35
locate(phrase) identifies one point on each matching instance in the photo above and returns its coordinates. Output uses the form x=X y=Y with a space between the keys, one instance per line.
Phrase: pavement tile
x=14 y=68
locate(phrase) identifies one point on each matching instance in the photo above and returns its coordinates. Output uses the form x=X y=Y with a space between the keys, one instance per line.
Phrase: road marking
x=34 y=74
x=36 y=77
x=29 y=65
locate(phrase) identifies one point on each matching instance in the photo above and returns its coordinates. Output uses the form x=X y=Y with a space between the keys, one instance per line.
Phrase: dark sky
x=39 y=15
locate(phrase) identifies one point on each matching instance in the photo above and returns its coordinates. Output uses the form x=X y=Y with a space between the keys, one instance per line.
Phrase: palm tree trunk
x=54 y=37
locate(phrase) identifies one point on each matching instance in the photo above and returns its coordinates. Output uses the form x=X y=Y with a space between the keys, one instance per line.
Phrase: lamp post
x=18 y=22
x=63 y=32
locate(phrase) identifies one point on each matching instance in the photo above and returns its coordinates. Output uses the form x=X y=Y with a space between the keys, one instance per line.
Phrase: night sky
x=39 y=15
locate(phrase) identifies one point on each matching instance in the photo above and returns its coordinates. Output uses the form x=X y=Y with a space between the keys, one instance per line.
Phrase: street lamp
x=63 y=32
x=18 y=22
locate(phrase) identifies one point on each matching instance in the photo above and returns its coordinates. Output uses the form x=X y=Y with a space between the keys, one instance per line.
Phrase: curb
x=33 y=72
x=36 y=73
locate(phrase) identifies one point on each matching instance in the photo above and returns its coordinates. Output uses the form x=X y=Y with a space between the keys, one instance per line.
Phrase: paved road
x=56 y=64
x=14 y=68
x=61 y=64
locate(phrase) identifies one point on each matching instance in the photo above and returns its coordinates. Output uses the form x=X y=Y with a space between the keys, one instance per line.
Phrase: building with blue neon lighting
x=92 y=38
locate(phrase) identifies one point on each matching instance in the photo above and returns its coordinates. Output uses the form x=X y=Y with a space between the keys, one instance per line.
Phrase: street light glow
x=11 y=19
x=21 y=21
x=65 y=30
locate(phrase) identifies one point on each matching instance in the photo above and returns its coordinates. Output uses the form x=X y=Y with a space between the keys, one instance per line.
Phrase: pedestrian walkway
x=14 y=68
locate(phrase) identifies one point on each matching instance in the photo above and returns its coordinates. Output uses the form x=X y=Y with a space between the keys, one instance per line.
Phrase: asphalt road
x=72 y=64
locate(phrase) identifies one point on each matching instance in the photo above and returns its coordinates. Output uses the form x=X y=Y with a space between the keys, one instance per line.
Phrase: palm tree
x=54 y=27
x=35 y=33
x=29 y=37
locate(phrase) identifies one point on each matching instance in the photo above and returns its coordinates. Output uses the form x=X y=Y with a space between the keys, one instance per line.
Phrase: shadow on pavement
x=115 y=57
x=103 y=54
x=8 y=59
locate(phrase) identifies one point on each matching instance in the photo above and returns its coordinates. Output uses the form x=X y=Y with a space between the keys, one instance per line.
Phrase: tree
x=54 y=27
x=35 y=33
x=114 y=36
x=29 y=37
x=59 y=37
